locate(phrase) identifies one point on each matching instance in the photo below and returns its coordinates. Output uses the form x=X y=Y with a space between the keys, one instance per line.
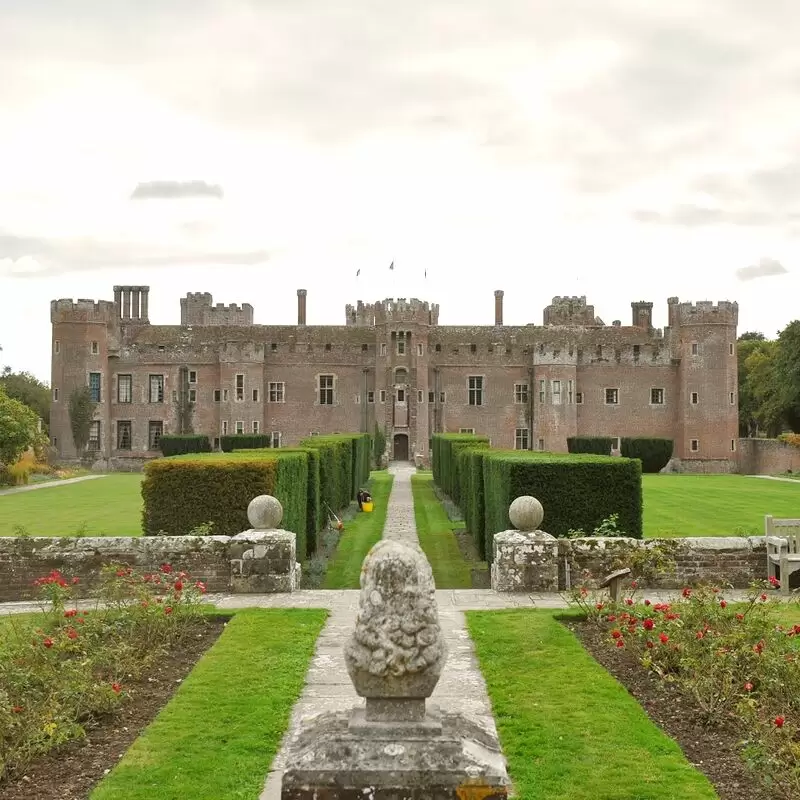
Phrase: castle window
x=326 y=390
x=401 y=347
x=570 y=392
x=420 y=396
x=540 y=444
x=431 y=397
x=556 y=353
x=521 y=439
x=438 y=348
x=277 y=392
x=370 y=397
x=656 y=397
x=55 y=394
x=383 y=348
x=55 y=441
x=192 y=395
x=555 y=388
x=155 y=430
x=124 y=388
x=420 y=349
x=364 y=348
x=327 y=347
x=578 y=398
x=612 y=397
x=733 y=445
x=95 y=348
x=475 y=384
x=732 y=398
x=694 y=445
x=521 y=395
x=542 y=385
x=239 y=388
x=224 y=427
x=276 y=438
x=401 y=375
x=124 y=435
x=401 y=395
x=94 y=437
x=255 y=395
x=94 y=386
x=636 y=351
x=255 y=426
x=730 y=348
x=383 y=395
x=694 y=348
x=57 y=346
x=274 y=347
x=694 y=398
x=239 y=427
x=467 y=430
x=473 y=348
x=217 y=394
x=156 y=388
x=192 y=376
x=442 y=397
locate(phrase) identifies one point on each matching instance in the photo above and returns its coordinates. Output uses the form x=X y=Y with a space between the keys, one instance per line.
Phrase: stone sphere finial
x=526 y=513
x=265 y=512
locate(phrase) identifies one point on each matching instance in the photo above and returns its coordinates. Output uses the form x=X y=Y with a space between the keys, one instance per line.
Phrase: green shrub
x=577 y=492
x=597 y=445
x=344 y=465
x=653 y=453
x=444 y=452
x=244 y=441
x=179 y=444
x=470 y=471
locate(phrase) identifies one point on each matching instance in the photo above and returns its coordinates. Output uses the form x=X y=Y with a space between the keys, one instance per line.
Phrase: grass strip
x=107 y=506
x=568 y=729
x=218 y=735
x=360 y=533
x=436 y=537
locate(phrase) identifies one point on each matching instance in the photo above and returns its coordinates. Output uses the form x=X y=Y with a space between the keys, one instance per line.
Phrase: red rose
x=76 y=581
x=72 y=633
x=763 y=598
x=687 y=592
x=70 y=612
x=663 y=638
x=723 y=603
x=166 y=568
x=628 y=601
x=634 y=585
x=779 y=721
x=612 y=617
x=748 y=687
x=647 y=602
x=615 y=634
x=116 y=687
x=650 y=644
x=178 y=586
x=740 y=617
x=699 y=635
x=620 y=643
x=17 y=709
x=47 y=642
x=599 y=606
x=168 y=610
x=648 y=624
x=774 y=581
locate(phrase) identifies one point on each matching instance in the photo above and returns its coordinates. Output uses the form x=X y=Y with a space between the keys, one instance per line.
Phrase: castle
x=392 y=365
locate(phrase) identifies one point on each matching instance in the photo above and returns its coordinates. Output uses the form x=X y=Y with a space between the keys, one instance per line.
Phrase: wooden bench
x=614 y=582
x=783 y=548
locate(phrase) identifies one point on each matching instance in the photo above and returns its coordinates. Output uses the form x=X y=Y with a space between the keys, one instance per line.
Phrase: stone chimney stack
x=301 y=306
x=498 y=307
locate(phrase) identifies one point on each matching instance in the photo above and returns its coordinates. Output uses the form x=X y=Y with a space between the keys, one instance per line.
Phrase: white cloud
x=765 y=268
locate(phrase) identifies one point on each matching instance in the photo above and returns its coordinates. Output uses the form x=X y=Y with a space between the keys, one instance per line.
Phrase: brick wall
x=767 y=457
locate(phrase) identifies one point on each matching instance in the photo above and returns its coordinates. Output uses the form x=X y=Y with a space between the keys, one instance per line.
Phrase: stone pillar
x=136 y=303
x=126 y=303
x=145 y=298
x=301 y=306
x=118 y=300
x=264 y=558
x=498 y=307
x=525 y=559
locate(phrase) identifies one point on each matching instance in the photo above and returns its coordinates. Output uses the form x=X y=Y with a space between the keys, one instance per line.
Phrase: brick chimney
x=498 y=307
x=642 y=315
x=301 y=306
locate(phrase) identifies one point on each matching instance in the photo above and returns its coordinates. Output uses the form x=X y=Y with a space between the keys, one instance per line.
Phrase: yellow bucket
x=367 y=506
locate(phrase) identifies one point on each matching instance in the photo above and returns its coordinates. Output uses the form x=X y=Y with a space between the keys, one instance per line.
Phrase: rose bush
x=733 y=659
x=64 y=669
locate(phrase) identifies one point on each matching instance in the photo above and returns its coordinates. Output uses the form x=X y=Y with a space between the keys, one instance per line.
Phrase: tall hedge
x=344 y=465
x=470 y=469
x=577 y=492
x=185 y=492
x=179 y=444
x=598 y=445
x=244 y=441
x=653 y=453
x=444 y=452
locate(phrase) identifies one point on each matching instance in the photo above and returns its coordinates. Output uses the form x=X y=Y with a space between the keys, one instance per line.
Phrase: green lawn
x=360 y=533
x=569 y=730
x=713 y=505
x=436 y=537
x=107 y=506
x=218 y=735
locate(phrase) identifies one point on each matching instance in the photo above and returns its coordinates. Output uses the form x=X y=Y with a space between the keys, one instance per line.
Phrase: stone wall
x=251 y=561
x=767 y=457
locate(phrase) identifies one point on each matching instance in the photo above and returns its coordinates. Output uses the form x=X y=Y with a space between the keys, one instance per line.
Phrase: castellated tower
x=702 y=339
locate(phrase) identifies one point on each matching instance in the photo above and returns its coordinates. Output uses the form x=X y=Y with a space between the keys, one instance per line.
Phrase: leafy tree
x=19 y=427
x=81 y=414
x=787 y=374
x=27 y=389
x=755 y=356
x=752 y=336
x=767 y=411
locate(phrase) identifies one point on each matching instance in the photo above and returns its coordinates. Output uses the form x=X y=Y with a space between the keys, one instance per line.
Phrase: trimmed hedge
x=577 y=491
x=185 y=492
x=444 y=453
x=470 y=469
x=344 y=465
x=177 y=445
x=653 y=453
x=598 y=445
x=244 y=441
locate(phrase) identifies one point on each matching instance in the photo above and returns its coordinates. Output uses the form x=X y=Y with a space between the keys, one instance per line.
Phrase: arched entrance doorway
x=400 y=449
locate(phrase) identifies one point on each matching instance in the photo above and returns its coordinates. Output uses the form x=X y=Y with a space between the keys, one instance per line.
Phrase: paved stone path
x=328 y=686
x=47 y=484
x=775 y=478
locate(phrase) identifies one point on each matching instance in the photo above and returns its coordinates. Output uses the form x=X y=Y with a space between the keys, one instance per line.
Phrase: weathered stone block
x=525 y=561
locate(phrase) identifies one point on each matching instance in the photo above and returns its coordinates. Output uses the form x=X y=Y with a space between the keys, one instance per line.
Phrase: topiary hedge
x=444 y=453
x=244 y=441
x=653 y=453
x=577 y=492
x=179 y=444
x=185 y=492
x=344 y=465
x=470 y=470
x=598 y=445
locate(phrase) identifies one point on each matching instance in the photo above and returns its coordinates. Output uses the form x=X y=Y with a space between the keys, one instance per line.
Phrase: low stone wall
x=253 y=561
x=727 y=561
x=702 y=466
x=767 y=457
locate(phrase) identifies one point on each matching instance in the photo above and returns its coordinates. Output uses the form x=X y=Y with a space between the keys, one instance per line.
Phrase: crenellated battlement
x=572 y=311
x=389 y=311
x=703 y=312
x=197 y=309
x=67 y=310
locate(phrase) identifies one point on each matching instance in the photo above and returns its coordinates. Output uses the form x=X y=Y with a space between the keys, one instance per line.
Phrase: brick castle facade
x=392 y=365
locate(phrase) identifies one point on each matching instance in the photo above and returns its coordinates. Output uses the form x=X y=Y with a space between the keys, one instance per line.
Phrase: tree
x=752 y=336
x=19 y=428
x=27 y=389
x=81 y=414
x=755 y=358
x=787 y=374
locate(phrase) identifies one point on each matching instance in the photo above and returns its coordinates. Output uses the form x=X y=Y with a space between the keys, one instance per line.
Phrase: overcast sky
x=613 y=148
